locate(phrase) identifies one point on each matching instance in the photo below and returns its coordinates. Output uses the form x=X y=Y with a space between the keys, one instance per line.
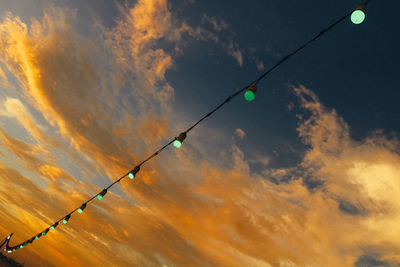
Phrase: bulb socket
x=361 y=7
x=181 y=137
x=253 y=88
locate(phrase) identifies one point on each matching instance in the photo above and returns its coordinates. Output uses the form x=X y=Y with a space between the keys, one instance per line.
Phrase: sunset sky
x=308 y=174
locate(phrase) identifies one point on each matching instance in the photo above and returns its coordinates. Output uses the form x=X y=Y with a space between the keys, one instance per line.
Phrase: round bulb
x=21 y=246
x=131 y=176
x=177 y=143
x=249 y=95
x=44 y=233
x=357 y=16
x=65 y=221
x=37 y=238
x=80 y=210
x=99 y=197
x=52 y=228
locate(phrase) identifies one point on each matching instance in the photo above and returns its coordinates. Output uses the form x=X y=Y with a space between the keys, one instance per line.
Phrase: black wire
x=227 y=100
x=156 y=153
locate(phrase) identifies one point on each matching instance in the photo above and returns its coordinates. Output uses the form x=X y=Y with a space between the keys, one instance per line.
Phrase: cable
x=180 y=138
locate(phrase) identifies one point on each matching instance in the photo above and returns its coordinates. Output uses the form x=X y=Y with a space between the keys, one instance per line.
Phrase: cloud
x=363 y=173
x=217 y=23
x=14 y=108
x=240 y=133
x=260 y=65
x=186 y=208
x=3 y=78
x=232 y=49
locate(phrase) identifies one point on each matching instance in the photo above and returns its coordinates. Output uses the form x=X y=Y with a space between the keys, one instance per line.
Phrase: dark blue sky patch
x=373 y=260
x=349 y=208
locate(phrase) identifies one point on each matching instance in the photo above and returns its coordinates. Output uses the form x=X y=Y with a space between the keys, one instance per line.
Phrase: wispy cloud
x=234 y=51
x=217 y=23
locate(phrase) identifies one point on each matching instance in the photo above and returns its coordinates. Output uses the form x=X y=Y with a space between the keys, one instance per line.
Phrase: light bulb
x=101 y=194
x=250 y=93
x=80 y=210
x=133 y=172
x=179 y=140
x=358 y=15
x=65 y=220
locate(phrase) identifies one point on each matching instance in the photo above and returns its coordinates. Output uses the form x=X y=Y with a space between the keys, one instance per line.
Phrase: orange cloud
x=186 y=208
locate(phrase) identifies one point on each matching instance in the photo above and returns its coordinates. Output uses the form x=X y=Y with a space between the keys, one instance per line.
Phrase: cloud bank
x=93 y=106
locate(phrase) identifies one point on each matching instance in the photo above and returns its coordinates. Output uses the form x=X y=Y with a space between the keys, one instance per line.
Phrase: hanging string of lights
x=357 y=16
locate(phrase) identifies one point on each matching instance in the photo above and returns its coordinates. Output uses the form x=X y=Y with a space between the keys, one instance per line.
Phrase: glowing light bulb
x=177 y=143
x=80 y=210
x=250 y=93
x=179 y=140
x=54 y=226
x=101 y=194
x=133 y=172
x=46 y=231
x=65 y=220
x=249 y=96
x=358 y=15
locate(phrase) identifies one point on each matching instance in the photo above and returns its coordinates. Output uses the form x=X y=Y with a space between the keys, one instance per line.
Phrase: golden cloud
x=197 y=212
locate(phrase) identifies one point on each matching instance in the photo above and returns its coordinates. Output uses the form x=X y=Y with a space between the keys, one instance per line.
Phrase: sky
x=308 y=174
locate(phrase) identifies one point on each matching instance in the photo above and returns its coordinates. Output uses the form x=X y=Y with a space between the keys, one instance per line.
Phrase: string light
x=250 y=94
x=80 y=210
x=66 y=219
x=133 y=172
x=101 y=194
x=357 y=17
x=54 y=226
x=179 y=140
x=45 y=232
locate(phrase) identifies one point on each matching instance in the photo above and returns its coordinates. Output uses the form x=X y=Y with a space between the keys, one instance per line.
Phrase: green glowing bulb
x=99 y=197
x=249 y=95
x=357 y=16
x=177 y=143
x=65 y=221
x=52 y=228
x=131 y=176
x=21 y=246
x=44 y=233
x=36 y=238
x=80 y=210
